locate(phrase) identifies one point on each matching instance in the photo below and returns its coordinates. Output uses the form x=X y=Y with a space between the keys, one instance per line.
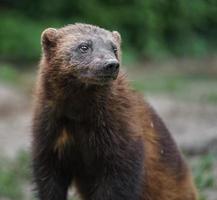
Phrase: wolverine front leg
x=120 y=178
x=51 y=182
x=51 y=173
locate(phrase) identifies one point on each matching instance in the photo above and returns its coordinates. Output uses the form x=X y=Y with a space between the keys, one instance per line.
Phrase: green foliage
x=8 y=73
x=151 y=28
x=203 y=173
x=12 y=175
x=19 y=37
x=15 y=176
x=9 y=187
x=212 y=98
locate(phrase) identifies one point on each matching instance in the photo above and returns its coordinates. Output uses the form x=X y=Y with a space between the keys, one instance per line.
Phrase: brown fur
x=104 y=137
x=62 y=141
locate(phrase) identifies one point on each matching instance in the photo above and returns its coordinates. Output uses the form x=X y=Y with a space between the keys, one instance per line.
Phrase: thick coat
x=99 y=133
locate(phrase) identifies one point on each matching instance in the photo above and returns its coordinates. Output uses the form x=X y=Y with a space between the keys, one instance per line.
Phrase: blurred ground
x=192 y=121
x=192 y=124
x=15 y=118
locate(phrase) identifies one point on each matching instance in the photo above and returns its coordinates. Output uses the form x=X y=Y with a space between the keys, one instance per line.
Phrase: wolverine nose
x=111 y=66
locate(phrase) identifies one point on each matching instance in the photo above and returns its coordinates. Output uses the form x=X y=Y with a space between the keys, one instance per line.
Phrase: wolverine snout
x=110 y=68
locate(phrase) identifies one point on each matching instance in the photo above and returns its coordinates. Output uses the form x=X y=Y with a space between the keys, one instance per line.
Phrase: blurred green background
x=150 y=28
x=169 y=52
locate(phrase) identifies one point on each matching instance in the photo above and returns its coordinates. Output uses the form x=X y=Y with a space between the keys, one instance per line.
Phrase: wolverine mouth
x=101 y=80
x=109 y=78
x=97 y=77
x=98 y=80
x=107 y=75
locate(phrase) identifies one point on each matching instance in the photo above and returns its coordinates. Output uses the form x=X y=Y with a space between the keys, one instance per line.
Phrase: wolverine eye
x=115 y=49
x=83 y=48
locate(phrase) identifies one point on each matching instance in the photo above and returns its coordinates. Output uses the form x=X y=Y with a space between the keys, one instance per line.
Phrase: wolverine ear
x=48 y=38
x=117 y=36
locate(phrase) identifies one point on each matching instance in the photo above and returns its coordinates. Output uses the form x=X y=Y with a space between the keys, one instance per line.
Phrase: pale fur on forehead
x=79 y=28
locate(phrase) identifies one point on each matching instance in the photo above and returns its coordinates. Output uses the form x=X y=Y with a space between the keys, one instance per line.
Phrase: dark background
x=150 y=29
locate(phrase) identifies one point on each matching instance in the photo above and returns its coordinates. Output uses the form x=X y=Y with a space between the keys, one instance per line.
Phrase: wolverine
x=90 y=128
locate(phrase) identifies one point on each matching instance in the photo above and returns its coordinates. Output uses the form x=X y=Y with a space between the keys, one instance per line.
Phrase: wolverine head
x=82 y=52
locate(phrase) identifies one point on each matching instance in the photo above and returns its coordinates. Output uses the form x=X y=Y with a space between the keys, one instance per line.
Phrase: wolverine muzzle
x=110 y=68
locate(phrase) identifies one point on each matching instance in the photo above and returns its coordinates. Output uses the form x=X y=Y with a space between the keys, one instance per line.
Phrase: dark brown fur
x=103 y=137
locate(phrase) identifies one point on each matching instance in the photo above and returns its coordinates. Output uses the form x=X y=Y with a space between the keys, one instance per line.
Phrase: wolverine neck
x=77 y=100
x=87 y=102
